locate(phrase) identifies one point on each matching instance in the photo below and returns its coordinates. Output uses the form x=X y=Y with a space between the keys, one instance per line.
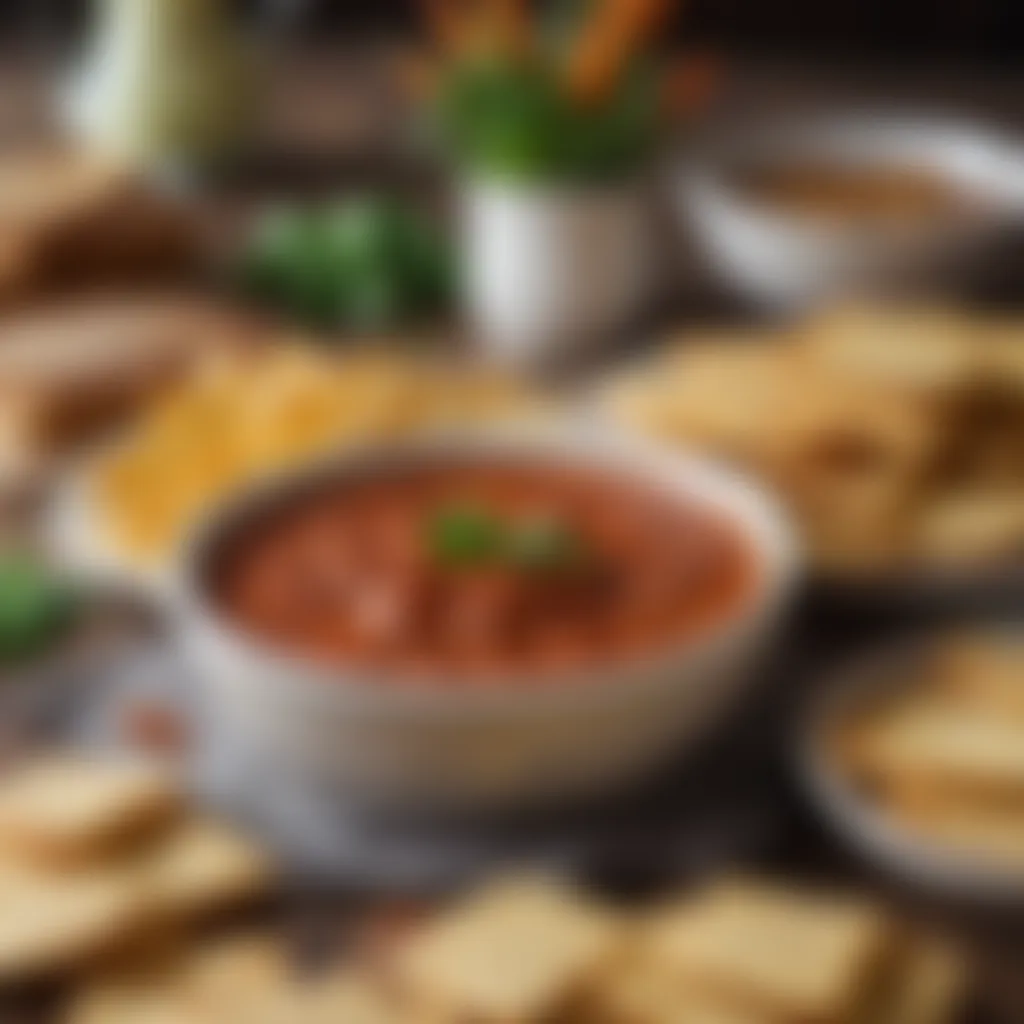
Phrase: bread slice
x=66 y=810
x=797 y=955
x=516 y=951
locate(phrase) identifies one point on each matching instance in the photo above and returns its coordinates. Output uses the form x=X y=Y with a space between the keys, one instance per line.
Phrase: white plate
x=74 y=531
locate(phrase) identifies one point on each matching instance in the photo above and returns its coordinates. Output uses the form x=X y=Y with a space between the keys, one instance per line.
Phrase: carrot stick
x=448 y=24
x=611 y=38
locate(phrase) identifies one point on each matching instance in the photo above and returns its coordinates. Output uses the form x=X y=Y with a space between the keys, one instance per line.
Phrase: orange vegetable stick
x=614 y=34
x=448 y=24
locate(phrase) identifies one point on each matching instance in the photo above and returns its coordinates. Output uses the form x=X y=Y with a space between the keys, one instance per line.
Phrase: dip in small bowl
x=481 y=624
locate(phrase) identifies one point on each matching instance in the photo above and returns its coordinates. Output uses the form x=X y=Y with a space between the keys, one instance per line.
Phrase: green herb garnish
x=465 y=535
x=515 y=122
x=470 y=536
x=35 y=608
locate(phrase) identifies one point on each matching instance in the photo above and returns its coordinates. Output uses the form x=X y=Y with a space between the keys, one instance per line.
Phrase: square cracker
x=635 y=992
x=940 y=743
x=51 y=923
x=924 y=351
x=991 y=833
x=204 y=866
x=68 y=810
x=243 y=979
x=983 y=669
x=355 y=998
x=516 y=951
x=798 y=955
x=930 y=987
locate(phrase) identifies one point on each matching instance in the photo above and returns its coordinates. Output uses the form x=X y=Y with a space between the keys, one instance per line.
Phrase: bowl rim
x=758 y=514
x=864 y=826
x=955 y=148
x=978 y=159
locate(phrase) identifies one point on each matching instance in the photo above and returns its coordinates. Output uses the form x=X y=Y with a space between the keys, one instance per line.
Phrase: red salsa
x=470 y=570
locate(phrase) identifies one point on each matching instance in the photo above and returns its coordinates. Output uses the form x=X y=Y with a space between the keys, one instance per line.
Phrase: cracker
x=203 y=867
x=926 y=351
x=355 y=998
x=680 y=397
x=804 y=956
x=219 y=971
x=50 y=924
x=133 y=1003
x=967 y=526
x=67 y=810
x=242 y=980
x=635 y=993
x=931 y=742
x=982 y=669
x=931 y=986
x=990 y=832
x=516 y=951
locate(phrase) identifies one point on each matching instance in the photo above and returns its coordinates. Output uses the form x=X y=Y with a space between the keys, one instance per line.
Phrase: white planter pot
x=550 y=271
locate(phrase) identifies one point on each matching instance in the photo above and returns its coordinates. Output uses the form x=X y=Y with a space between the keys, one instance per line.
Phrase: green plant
x=370 y=262
x=586 y=97
x=515 y=121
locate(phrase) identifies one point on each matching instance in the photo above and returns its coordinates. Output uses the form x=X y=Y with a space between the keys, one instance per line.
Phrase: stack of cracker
x=531 y=951
x=740 y=952
x=96 y=858
x=942 y=753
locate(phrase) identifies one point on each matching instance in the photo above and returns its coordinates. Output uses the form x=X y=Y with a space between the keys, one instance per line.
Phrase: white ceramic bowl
x=876 y=837
x=788 y=261
x=433 y=748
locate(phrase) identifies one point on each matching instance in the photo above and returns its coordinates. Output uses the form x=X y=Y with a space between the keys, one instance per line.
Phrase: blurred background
x=988 y=33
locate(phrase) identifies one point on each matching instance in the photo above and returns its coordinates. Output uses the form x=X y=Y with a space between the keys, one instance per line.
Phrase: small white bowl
x=788 y=261
x=878 y=838
x=436 y=748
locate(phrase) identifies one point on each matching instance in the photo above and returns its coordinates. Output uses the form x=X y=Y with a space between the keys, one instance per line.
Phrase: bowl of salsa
x=484 y=622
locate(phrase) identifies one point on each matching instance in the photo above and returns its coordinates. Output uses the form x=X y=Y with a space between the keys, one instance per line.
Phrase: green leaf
x=35 y=608
x=514 y=120
x=371 y=262
x=464 y=535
